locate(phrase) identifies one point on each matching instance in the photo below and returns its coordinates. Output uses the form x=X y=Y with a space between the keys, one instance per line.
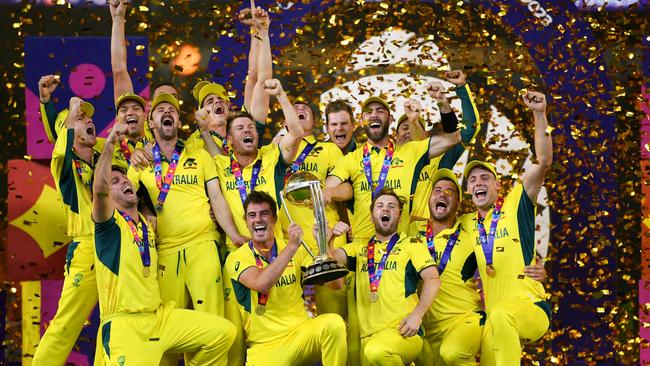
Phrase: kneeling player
x=266 y=274
x=136 y=328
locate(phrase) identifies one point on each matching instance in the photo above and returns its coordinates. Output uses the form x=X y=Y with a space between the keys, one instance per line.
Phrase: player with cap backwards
x=388 y=268
x=503 y=229
x=266 y=275
x=182 y=183
x=73 y=162
x=136 y=327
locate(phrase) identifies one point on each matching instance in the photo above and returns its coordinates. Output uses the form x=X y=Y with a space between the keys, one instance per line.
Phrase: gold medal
x=373 y=296
x=146 y=272
x=490 y=270
x=260 y=309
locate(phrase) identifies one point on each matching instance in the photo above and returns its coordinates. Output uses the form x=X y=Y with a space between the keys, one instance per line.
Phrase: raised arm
x=262 y=280
x=121 y=79
x=412 y=109
x=259 y=107
x=439 y=144
x=471 y=118
x=102 y=202
x=338 y=254
x=533 y=179
x=222 y=212
x=289 y=142
x=46 y=86
x=246 y=17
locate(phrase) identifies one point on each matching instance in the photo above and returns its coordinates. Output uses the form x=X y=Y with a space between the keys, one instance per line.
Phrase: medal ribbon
x=126 y=151
x=79 y=169
x=487 y=240
x=263 y=298
x=143 y=243
x=383 y=174
x=298 y=162
x=164 y=186
x=239 y=180
x=446 y=254
x=375 y=276
x=224 y=142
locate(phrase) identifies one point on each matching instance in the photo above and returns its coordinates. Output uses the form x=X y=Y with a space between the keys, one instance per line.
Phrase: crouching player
x=136 y=327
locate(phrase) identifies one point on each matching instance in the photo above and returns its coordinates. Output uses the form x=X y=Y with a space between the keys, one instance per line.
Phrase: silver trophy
x=304 y=189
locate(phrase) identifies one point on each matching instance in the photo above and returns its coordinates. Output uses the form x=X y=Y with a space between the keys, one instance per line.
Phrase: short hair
x=118 y=168
x=337 y=106
x=234 y=115
x=261 y=197
x=161 y=84
x=387 y=192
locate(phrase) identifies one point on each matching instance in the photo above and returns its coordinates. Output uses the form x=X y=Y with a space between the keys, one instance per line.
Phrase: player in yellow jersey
x=339 y=124
x=469 y=128
x=248 y=168
x=388 y=268
x=503 y=229
x=136 y=327
x=73 y=161
x=266 y=275
x=380 y=163
x=182 y=183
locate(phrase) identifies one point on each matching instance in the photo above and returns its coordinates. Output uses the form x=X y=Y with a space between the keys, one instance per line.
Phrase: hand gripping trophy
x=304 y=189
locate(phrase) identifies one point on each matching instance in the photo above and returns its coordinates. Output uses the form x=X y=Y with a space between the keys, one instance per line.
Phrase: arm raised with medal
x=533 y=179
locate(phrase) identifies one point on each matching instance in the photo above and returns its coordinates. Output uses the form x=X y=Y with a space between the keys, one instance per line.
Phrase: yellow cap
x=165 y=98
x=445 y=173
x=403 y=118
x=59 y=123
x=197 y=89
x=129 y=96
x=375 y=100
x=211 y=88
x=479 y=164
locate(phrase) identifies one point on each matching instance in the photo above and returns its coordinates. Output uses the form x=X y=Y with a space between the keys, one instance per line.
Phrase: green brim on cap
x=212 y=88
x=165 y=98
x=197 y=89
x=403 y=119
x=129 y=96
x=481 y=164
x=375 y=100
x=445 y=173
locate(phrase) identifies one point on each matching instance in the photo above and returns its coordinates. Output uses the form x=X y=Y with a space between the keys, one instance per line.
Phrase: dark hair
x=118 y=168
x=234 y=115
x=160 y=84
x=337 y=106
x=387 y=192
x=261 y=197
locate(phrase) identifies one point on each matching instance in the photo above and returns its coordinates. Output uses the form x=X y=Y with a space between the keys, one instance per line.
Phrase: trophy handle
x=286 y=210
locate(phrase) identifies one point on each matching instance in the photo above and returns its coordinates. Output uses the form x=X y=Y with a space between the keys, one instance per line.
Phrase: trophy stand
x=304 y=189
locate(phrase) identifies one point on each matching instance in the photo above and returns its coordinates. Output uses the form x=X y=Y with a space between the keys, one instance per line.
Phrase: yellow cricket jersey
x=458 y=294
x=120 y=159
x=468 y=132
x=399 y=282
x=408 y=161
x=285 y=307
x=185 y=216
x=514 y=248
x=195 y=141
x=121 y=284
x=74 y=178
x=319 y=162
x=269 y=180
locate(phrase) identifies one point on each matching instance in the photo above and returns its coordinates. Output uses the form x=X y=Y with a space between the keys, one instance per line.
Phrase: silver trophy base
x=322 y=271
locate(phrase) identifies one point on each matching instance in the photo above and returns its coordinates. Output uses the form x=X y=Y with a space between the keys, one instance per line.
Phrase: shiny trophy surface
x=304 y=189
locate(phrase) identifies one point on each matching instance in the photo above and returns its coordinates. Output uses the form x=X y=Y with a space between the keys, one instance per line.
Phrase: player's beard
x=376 y=136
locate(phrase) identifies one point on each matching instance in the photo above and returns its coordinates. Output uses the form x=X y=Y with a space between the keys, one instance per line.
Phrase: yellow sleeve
x=343 y=167
x=62 y=153
x=334 y=154
x=208 y=165
x=417 y=149
x=351 y=250
x=238 y=262
x=420 y=256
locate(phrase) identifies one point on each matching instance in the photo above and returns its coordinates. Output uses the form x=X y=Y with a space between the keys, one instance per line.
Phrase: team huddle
x=187 y=247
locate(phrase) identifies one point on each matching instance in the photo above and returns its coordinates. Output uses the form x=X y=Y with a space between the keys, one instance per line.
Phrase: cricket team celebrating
x=187 y=248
